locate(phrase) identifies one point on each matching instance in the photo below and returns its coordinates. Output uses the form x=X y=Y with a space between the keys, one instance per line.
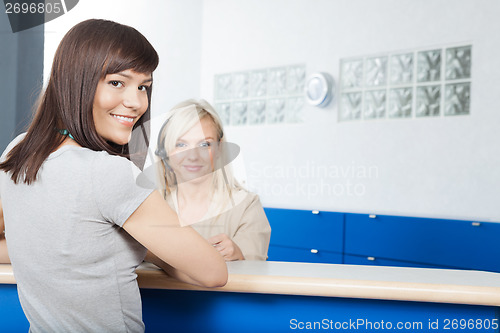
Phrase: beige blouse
x=244 y=222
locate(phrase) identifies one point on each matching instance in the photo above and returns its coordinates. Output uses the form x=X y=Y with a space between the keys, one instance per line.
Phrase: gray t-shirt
x=73 y=263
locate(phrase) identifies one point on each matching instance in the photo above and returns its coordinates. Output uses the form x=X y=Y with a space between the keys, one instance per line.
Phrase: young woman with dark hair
x=76 y=222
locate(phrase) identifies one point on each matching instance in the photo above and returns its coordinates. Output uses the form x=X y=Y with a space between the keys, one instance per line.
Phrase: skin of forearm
x=4 y=255
x=169 y=270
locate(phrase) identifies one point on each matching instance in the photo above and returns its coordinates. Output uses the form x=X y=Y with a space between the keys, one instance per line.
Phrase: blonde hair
x=181 y=119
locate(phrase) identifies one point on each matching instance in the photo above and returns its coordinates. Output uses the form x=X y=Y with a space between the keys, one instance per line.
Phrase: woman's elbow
x=219 y=280
x=216 y=278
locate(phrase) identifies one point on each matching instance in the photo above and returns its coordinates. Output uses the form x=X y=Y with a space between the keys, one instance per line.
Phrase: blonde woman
x=196 y=181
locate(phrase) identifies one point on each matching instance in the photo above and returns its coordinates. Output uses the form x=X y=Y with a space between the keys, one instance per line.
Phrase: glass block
x=240 y=85
x=351 y=73
x=257 y=112
x=350 y=106
x=239 y=113
x=224 y=111
x=275 y=112
x=400 y=102
x=429 y=66
x=457 y=99
x=223 y=87
x=258 y=83
x=375 y=104
x=402 y=68
x=294 y=106
x=277 y=82
x=458 y=63
x=428 y=101
x=296 y=79
x=376 y=71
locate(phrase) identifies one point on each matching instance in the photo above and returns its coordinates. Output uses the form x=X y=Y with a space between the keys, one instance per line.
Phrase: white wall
x=446 y=167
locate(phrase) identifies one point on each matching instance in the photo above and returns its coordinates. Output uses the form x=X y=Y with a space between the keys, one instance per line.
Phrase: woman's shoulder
x=12 y=144
x=245 y=198
x=17 y=139
x=115 y=164
x=104 y=159
x=119 y=167
x=102 y=165
x=83 y=156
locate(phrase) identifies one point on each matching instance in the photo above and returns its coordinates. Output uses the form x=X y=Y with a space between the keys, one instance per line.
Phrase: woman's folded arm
x=186 y=255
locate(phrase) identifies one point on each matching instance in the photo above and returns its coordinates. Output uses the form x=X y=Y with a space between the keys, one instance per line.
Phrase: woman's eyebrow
x=130 y=77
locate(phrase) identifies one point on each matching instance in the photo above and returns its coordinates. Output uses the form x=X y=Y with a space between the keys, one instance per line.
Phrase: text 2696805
x=32 y=8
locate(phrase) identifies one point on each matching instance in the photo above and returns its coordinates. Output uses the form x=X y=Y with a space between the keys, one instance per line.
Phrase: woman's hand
x=228 y=249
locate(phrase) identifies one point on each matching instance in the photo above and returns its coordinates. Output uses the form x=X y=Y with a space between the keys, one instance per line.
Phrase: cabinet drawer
x=372 y=261
x=303 y=229
x=443 y=243
x=284 y=253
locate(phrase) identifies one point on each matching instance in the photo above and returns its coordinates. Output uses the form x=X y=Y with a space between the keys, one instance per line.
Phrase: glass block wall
x=423 y=83
x=262 y=96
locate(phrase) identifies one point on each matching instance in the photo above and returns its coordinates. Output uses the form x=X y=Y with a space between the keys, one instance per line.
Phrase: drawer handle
x=315 y=212
x=371 y=258
x=314 y=251
x=372 y=216
x=476 y=224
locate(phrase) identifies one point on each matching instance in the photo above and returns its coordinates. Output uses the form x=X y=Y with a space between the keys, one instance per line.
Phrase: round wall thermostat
x=318 y=89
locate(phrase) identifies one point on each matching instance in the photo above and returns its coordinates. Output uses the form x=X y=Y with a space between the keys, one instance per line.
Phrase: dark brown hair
x=87 y=53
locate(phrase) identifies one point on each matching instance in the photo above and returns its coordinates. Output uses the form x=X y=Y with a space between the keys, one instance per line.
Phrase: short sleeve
x=115 y=187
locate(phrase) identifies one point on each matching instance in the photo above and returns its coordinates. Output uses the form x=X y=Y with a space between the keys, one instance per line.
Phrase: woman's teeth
x=124 y=118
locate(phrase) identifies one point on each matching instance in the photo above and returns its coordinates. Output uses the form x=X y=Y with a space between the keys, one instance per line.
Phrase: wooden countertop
x=351 y=281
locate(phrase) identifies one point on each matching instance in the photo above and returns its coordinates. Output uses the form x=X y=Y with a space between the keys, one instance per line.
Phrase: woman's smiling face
x=120 y=101
x=195 y=151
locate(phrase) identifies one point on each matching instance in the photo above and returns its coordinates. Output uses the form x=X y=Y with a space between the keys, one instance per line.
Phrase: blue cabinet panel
x=226 y=312
x=221 y=312
x=303 y=229
x=444 y=243
x=12 y=317
x=392 y=240
x=372 y=261
x=284 y=253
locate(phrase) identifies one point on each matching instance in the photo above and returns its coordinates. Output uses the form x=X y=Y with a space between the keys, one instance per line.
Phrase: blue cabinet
x=305 y=236
x=329 y=237
x=423 y=242
x=12 y=317
x=227 y=312
x=294 y=254
x=377 y=261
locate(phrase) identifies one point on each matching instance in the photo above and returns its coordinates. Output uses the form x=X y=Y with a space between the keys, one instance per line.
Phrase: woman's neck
x=196 y=192
x=193 y=200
